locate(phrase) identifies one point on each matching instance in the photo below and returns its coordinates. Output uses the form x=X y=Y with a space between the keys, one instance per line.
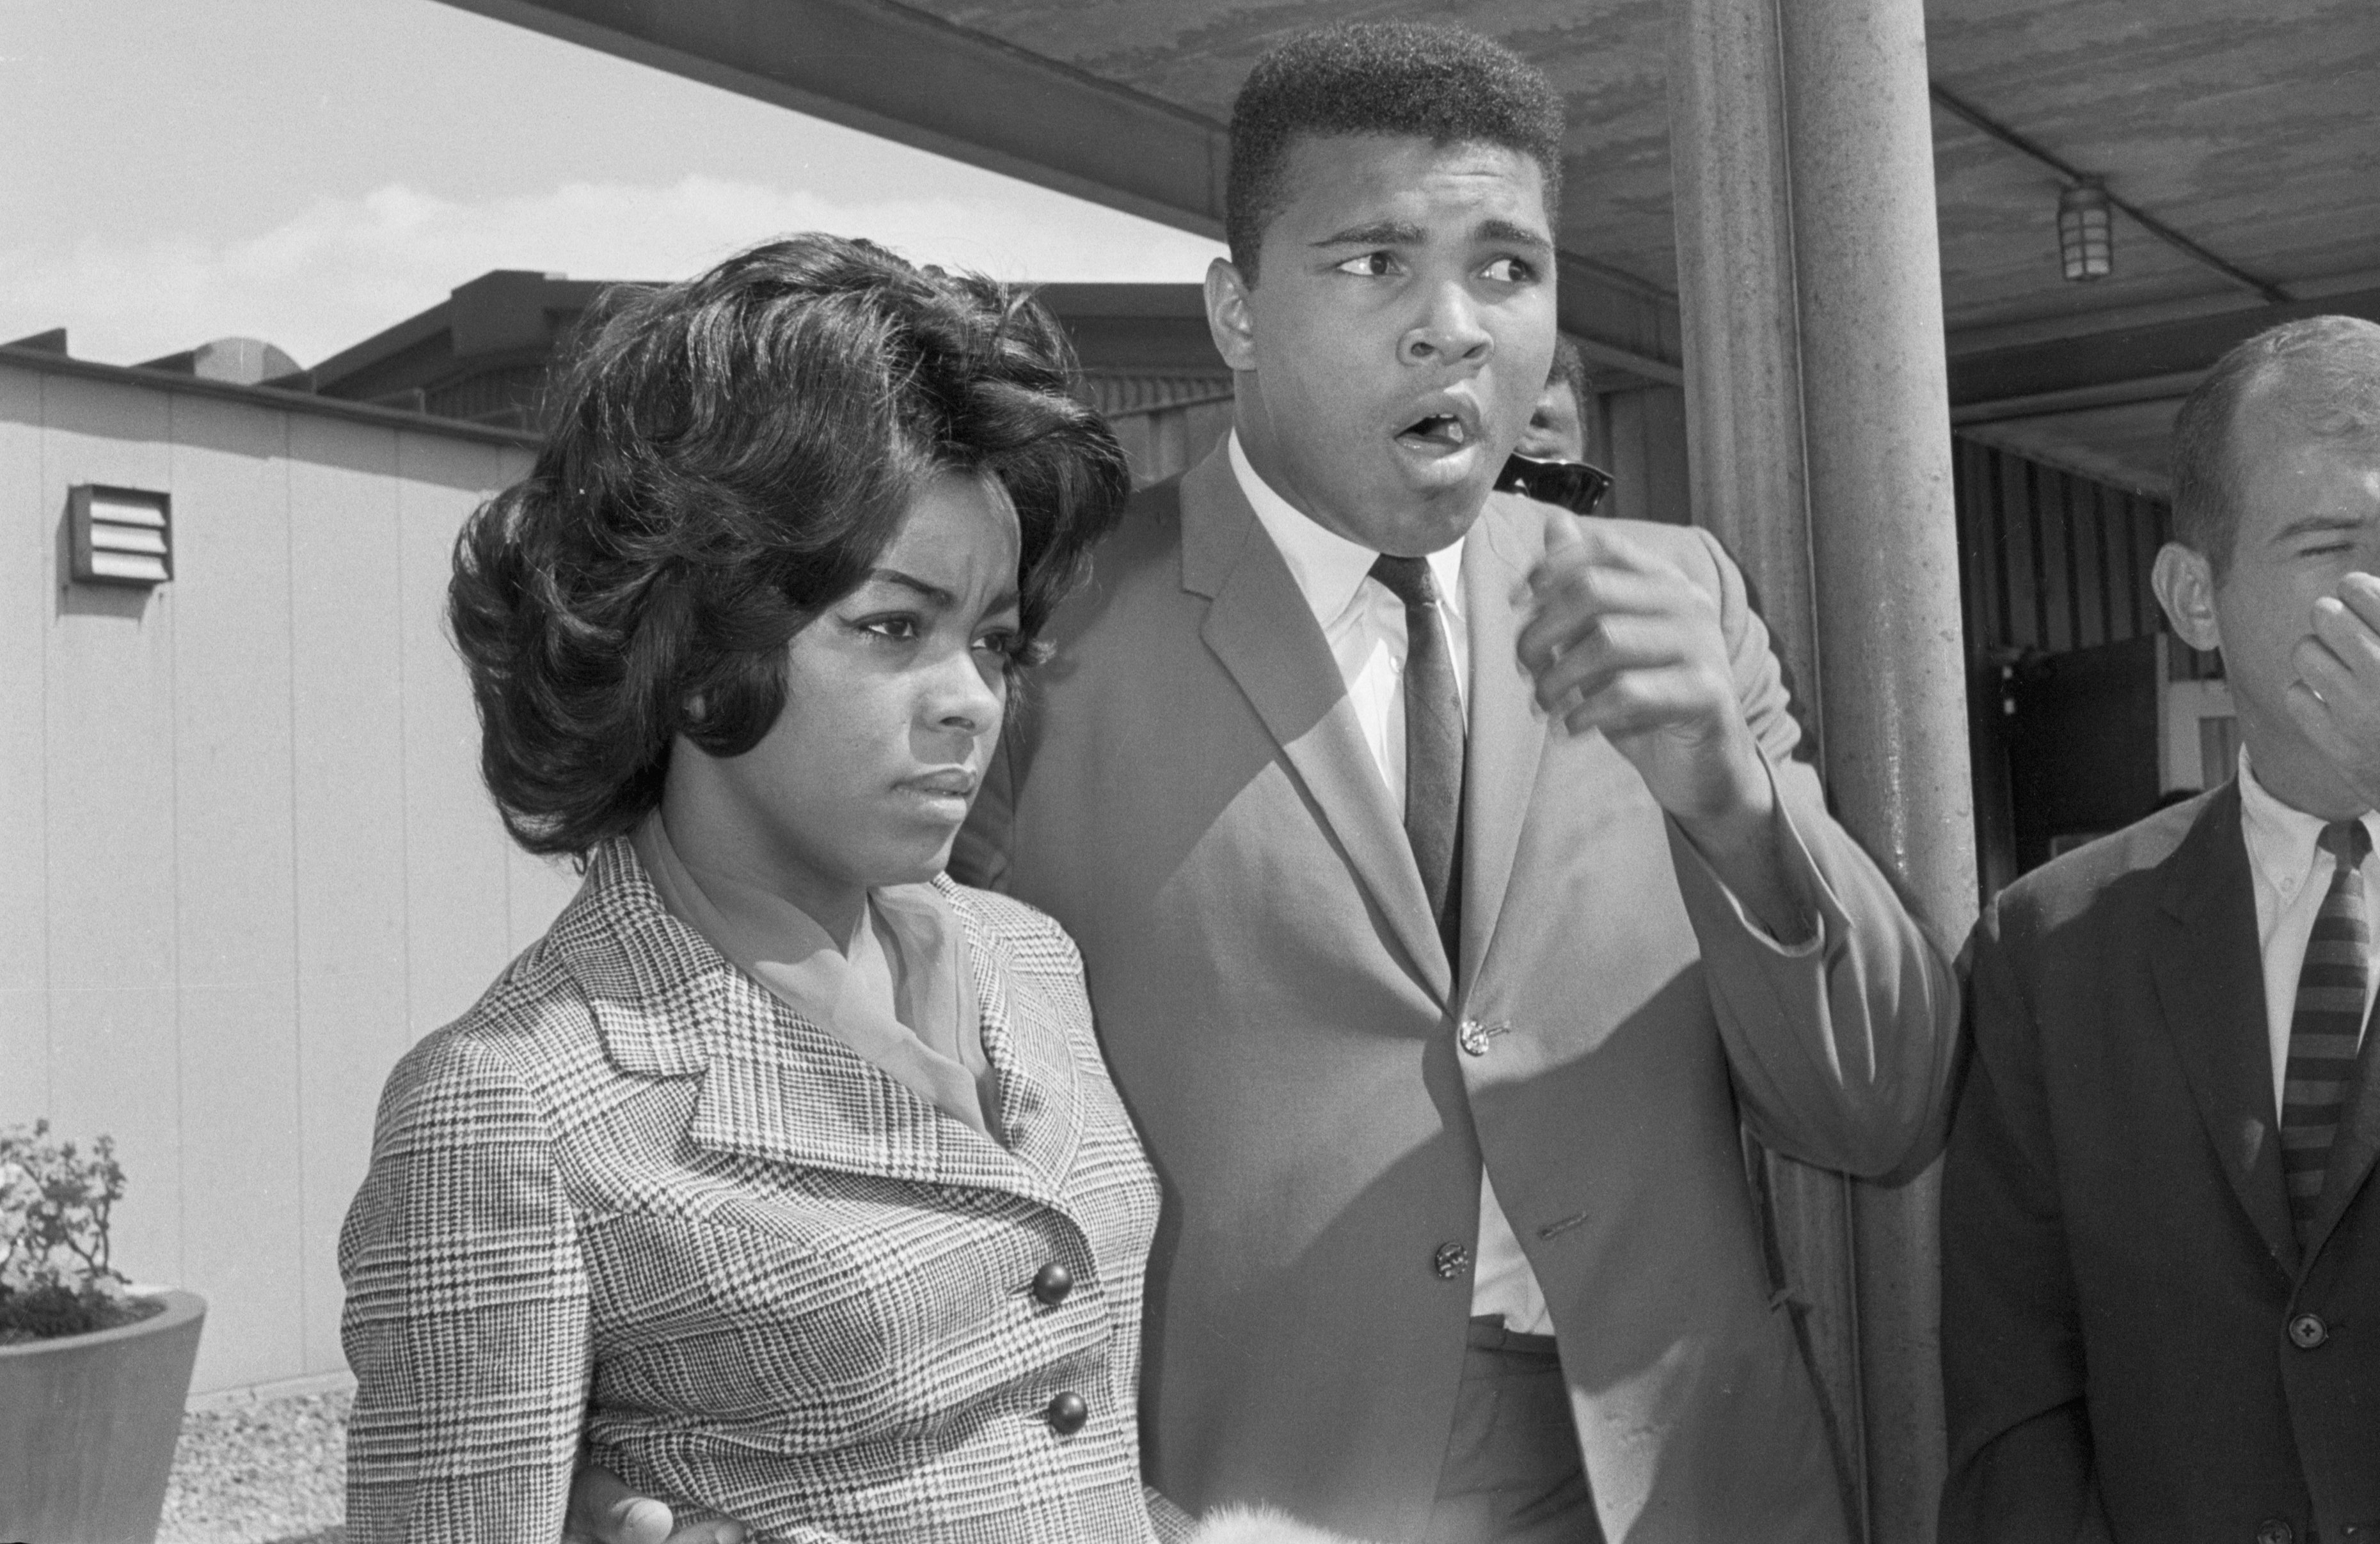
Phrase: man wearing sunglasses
x=1557 y=436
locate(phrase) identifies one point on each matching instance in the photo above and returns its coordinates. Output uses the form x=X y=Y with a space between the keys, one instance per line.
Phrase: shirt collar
x=1329 y=570
x=2282 y=839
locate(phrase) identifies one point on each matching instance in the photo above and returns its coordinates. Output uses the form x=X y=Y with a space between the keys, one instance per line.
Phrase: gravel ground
x=269 y=1473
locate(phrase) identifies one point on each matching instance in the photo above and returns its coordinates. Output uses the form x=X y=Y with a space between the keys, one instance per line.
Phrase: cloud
x=345 y=268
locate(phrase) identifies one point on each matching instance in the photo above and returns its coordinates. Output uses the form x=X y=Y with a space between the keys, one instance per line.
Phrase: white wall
x=245 y=857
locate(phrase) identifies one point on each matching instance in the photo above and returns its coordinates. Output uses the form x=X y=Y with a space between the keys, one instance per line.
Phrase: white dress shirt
x=2292 y=875
x=1363 y=622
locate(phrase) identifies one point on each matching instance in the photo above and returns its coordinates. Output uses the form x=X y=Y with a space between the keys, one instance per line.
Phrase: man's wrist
x=1745 y=843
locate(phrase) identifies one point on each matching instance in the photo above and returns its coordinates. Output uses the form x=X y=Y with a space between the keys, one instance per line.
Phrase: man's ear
x=2184 y=583
x=1229 y=317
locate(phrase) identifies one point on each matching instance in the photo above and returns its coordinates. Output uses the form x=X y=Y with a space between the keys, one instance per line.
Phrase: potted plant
x=93 y=1372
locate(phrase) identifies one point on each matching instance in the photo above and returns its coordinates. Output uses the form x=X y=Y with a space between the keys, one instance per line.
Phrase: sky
x=309 y=172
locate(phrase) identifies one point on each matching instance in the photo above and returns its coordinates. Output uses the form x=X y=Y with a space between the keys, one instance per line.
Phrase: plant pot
x=87 y=1425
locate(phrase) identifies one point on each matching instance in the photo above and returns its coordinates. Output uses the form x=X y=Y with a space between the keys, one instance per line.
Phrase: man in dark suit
x=1447 y=887
x=2161 y=1247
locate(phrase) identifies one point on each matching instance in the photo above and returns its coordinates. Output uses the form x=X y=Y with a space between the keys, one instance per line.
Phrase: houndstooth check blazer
x=630 y=1196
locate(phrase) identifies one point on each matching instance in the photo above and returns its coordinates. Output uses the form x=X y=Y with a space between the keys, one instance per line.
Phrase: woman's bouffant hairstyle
x=1448 y=85
x=725 y=457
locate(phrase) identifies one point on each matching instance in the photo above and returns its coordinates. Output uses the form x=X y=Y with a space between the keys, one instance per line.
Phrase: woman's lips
x=947 y=793
x=958 y=781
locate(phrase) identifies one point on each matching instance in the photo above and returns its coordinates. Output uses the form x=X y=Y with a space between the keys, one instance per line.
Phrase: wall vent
x=122 y=535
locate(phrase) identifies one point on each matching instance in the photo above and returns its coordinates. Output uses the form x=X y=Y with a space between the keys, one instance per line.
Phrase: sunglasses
x=1574 y=485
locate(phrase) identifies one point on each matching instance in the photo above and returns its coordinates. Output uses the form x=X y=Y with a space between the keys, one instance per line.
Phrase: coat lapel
x=1041 y=1096
x=777 y=1088
x=2210 y=981
x=1262 y=632
x=1508 y=731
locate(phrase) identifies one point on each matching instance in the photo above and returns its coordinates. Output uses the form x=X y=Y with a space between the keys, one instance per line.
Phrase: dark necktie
x=2327 y=1024
x=1433 y=744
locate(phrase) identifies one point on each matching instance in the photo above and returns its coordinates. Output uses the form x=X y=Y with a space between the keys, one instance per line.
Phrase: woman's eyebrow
x=933 y=593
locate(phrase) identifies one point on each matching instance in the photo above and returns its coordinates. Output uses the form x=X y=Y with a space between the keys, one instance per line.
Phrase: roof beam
x=889 y=70
x=2139 y=358
x=913 y=79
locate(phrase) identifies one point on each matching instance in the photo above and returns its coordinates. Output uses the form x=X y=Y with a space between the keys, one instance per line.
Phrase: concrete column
x=1801 y=149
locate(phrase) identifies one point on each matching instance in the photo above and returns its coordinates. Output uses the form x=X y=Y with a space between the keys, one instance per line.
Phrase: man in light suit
x=1446 y=890
x=2161 y=1244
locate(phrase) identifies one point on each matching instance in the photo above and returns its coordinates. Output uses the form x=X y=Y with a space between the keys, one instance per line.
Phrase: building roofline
x=268 y=396
x=379 y=346
x=456 y=315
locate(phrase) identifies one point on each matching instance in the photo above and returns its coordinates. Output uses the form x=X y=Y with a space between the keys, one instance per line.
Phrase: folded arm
x=467 y=1313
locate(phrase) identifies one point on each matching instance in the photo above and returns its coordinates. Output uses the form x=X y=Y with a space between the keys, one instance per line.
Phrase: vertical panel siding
x=27 y=593
x=1164 y=441
x=349 y=814
x=236 y=917
x=1644 y=429
x=2049 y=561
x=245 y=859
x=108 y=712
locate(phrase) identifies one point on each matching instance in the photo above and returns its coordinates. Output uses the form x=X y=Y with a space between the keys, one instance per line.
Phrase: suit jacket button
x=2307 y=1330
x=1050 y=1285
x=1067 y=1413
x=1472 y=1035
x=2272 y=1530
x=1450 y=1261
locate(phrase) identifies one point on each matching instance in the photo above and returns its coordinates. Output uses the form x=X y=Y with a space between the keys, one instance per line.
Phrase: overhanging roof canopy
x=2248 y=131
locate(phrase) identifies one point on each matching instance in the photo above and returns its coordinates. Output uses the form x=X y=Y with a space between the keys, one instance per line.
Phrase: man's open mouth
x=1441 y=431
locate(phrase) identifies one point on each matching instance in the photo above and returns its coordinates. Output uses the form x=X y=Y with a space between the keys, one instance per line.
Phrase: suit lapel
x=1508 y=732
x=1263 y=634
x=2210 y=981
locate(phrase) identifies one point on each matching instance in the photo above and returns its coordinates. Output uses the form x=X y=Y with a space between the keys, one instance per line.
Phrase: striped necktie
x=1433 y=742
x=2327 y=1024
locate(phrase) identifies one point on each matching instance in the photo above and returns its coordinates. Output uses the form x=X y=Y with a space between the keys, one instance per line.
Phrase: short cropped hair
x=2322 y=372
x=1448 y=85
x=726 y=457
x=1570 y=369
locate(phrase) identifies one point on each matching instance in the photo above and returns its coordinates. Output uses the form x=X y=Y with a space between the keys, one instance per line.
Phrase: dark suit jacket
x=1191 y=795
x=2120 y=1278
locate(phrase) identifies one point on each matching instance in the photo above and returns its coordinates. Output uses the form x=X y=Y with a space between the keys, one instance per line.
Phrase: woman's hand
x=605 y=1511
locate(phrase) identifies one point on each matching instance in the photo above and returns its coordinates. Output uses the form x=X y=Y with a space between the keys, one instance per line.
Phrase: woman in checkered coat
x=783 y=1173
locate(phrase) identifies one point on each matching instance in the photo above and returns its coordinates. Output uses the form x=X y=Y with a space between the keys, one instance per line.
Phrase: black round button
x=2307 y=1330
x=1067 y=1413
x=1450 y=1261
x=2272 y=1530
x=1051 y=1283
